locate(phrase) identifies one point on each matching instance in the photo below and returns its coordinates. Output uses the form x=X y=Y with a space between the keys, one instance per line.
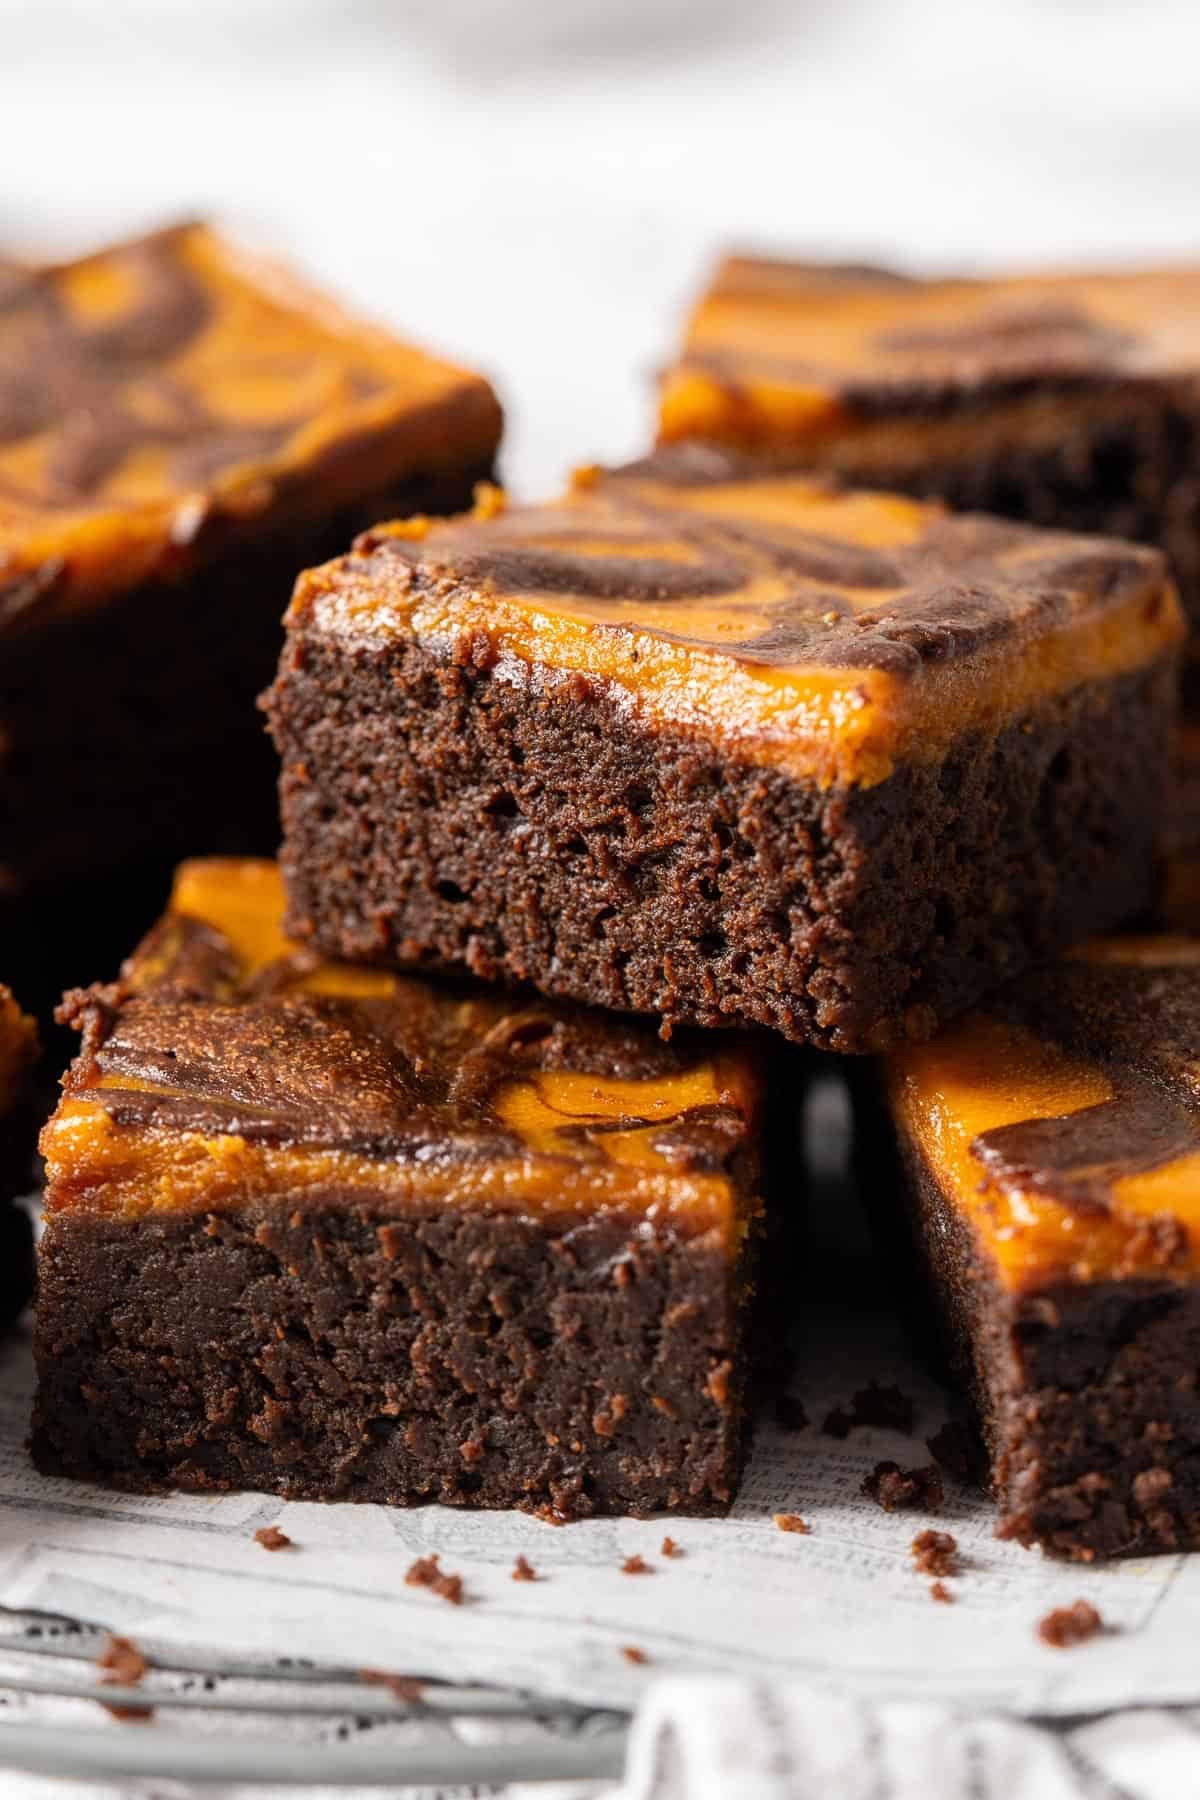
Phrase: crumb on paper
x=940 y=1592
x=887 y=1408
x=904 y=1490
x=402 y=1687
x=789 y=1412
x=636 y=1565
x=838 y=1424
x=122 y=1661
x=792 y=1522
x=271 y=1538
x=1068 y=1625
x=934 y=1553
x=427 y=1572
x=670 y=1548
x=523 y=1570
x=632 y=1654
x=956 y=1449
x=122 y=1664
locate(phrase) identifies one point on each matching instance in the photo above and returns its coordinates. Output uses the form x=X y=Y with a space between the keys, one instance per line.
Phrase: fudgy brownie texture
x=181 y=430
x=455 y=797
x=1059 y=1249
x=1068 y=400
x=319 y=1349
x=549 y=841
x=338 y=1235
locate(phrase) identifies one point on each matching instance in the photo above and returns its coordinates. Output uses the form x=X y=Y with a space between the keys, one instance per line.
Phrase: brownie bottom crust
x=329 y=1352
x=438 y=815
x=1088 y=1395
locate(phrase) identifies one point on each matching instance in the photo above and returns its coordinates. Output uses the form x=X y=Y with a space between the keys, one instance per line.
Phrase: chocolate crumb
x=789 y=1413
x=939 y=1591
x=271 y=1538
x=632 y=1654
x=403 y=1687
x=956 y=1449
x=886 y=1408
x=1068 y=1625
x=791 y=1522
x=670 y=1548
x=425 y=1572
x=903 y=1490
x=636 y=1565
x=935 y=1553
x=122 y=1664
x=524 y=1570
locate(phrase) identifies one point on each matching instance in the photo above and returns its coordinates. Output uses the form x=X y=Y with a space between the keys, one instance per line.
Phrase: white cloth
x=738 y=1740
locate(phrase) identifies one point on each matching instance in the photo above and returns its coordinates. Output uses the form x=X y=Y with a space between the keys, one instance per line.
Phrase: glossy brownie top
x=228 y=1065
x=1064 y=1121
x=831 y=632
x=782 y=351
x=161 y=395
x=18 y=1046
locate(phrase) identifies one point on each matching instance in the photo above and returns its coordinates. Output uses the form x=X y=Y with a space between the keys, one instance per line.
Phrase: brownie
x=729 y=751
x=1069 y=400
x=338 y=1234
x=182 y=428
x=1049 y=1145
x=18 y=1045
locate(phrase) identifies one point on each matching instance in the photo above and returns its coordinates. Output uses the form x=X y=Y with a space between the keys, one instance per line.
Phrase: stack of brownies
x=435 y=1162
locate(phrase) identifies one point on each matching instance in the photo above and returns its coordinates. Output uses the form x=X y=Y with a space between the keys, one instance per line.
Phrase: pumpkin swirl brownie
x=182 y=428
x=1050 y=1144
x=18 y=1049
x=1070 y=400
x=340 y=1234
x=725 y=750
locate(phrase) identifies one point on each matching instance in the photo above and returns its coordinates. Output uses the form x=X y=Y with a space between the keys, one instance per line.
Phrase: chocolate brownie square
x=338 y=1234
x=182 y=428
x=1049 y=1147
x=726 y=750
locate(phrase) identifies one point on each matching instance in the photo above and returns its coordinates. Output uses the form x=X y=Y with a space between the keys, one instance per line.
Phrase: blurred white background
x=537 y=185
